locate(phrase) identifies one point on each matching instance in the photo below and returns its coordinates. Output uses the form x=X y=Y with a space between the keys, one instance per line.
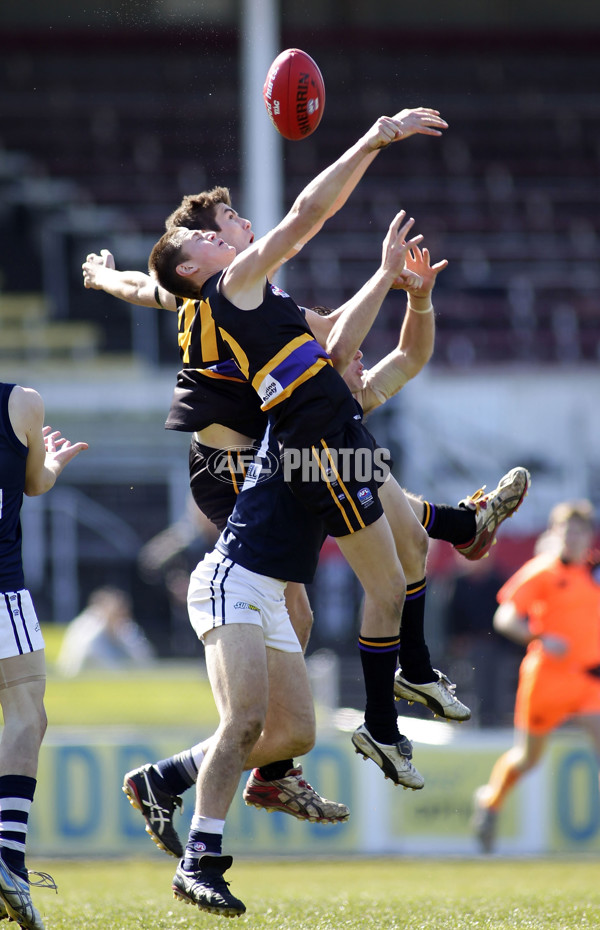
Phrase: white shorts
x=222 y=592
x=20 y=631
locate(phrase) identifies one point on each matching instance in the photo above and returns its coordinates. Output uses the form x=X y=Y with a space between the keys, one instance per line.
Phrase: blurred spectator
x=104 y=636
x=485 y=663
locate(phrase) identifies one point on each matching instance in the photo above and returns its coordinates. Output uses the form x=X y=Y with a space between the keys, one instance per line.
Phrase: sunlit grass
x=392 y=893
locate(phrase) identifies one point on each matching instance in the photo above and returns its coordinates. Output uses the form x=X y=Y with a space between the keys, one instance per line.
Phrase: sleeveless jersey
x=13 y=459
x=269 y=531
x=210 y=388
x=292 y=374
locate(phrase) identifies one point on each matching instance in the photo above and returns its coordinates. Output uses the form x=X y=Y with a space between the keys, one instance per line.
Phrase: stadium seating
x=508 y=196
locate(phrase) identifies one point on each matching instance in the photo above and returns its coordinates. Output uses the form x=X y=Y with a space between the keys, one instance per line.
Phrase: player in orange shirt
x=551 y=605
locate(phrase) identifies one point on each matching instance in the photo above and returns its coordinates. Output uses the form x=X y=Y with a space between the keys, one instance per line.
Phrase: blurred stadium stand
x=106 y=133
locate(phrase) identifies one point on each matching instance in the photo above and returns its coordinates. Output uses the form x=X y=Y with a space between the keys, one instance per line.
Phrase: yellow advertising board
x=80 y=809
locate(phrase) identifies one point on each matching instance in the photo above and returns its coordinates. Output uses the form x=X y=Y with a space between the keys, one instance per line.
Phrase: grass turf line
x=392 y=893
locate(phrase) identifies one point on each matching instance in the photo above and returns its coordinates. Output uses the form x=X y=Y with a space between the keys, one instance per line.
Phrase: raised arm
x=49 y=452
x=134 y=287
x=419 y=120
x=417 y=335
x=354 y=319
x=243 y=282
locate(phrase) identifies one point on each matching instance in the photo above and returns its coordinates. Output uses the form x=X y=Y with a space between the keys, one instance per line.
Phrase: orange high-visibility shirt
x=560 y=599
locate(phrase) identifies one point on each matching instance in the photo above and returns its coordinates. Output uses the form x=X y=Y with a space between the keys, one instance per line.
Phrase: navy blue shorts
x=337 y=478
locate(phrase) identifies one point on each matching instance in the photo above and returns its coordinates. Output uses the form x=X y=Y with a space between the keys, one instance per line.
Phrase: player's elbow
x=340 y=359
x=415 y=362
x=39 y=484
x=305 y=214
x=339 y=350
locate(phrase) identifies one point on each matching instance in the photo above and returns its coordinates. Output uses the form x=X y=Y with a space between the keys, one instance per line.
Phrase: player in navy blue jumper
x=31 y=459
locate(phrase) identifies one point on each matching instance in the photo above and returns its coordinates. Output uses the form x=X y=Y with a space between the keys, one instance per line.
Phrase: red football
x=294 y=94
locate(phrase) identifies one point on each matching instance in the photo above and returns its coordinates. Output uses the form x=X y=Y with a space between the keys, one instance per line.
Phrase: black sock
x=453 y=524
x=378 y=658
x=413 y=653
x=275 y=770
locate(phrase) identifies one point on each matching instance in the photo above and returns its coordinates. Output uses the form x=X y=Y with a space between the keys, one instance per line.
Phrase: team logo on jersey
x=278 y=292
x=365 y=498
x=240 y=464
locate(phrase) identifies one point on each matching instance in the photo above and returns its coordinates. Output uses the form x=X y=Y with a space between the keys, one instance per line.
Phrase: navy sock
x=452 y=524
x=378 y=657
x=16 y=796
x=201 y=844
x=176 y=774
x=413 y=653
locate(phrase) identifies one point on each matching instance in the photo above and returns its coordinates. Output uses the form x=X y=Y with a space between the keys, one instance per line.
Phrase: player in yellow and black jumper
x=311 y=410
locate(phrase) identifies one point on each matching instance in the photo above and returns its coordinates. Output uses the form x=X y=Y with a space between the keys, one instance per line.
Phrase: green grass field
x=395 y=893
x=160 y=696
x=135 y=697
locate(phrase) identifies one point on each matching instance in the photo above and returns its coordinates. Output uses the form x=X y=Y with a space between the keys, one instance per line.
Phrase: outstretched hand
x=406 y=123
x=59 y=451
x=420 y=120
x=93 y=267
x=418 y=264
x=396 y=250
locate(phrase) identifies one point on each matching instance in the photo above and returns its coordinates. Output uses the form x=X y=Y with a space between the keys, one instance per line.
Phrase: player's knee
x=414 y=557
x=388 y=603
x=243 y=728
x=32 y=730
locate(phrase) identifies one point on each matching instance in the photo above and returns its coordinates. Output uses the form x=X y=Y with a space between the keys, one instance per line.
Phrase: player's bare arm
x=244 y=281
x=49 y=452
x=417 y=335
x=419 y=120
x=134 y=287
x=510 y=623
x=416 y=342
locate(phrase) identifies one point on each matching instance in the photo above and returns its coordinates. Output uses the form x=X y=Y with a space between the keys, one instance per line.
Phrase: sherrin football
x=294 y=94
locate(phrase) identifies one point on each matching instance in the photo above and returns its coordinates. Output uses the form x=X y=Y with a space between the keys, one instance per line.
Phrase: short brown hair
x=167 y=253
x=197 y=211
x=573 y=510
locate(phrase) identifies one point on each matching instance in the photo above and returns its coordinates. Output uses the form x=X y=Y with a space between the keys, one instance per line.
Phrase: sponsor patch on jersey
x=269 y=389
x=244 y=605
x=365 y=498
x=278 y=292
